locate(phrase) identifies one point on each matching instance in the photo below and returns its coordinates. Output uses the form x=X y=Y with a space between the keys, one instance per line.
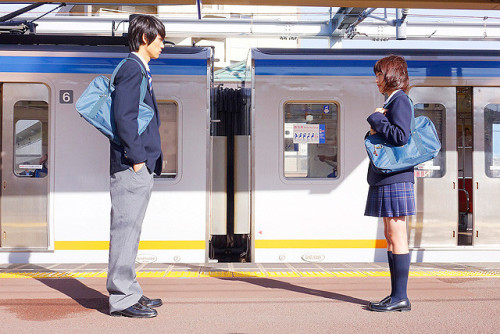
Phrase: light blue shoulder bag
x=423 y=145
x=95 y=104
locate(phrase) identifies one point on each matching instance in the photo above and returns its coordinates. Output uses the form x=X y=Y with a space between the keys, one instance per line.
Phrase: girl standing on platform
x=391 y=196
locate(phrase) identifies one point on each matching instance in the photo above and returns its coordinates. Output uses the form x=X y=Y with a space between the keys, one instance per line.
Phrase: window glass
x=169 y=112
x=311 y=140
x=30 y=138
x=436 y=167
x=492 y=140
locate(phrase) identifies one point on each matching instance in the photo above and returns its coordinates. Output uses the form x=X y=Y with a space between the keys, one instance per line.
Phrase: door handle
x=477 y=185
x=453 y=185
x=5 y=184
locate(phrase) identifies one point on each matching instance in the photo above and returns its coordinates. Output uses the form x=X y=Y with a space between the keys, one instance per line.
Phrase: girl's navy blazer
x=395 y=126
x=135 y=148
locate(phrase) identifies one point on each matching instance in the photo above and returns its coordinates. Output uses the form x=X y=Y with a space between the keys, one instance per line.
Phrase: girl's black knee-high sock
x=401 y=270
x=390 y=258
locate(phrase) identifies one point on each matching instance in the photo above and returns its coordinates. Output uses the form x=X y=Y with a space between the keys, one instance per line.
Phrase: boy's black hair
x=146 y=25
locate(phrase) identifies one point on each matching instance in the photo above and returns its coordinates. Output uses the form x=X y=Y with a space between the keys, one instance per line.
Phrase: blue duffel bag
x=423 y=145
x=95 y=104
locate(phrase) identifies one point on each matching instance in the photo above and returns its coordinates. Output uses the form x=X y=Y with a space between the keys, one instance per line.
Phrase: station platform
x=253 y=298
x=228 y=270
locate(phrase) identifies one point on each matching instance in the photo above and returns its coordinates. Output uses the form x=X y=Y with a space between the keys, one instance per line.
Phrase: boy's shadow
x=71 y=287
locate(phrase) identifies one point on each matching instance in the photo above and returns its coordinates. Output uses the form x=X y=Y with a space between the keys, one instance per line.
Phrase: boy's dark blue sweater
x=395 y=127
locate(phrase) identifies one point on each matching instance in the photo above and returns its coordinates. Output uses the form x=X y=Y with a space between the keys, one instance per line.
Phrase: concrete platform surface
x=441 y=302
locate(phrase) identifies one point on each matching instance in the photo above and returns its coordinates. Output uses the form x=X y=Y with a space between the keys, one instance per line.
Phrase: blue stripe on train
x=416 y=68
x=97 y=65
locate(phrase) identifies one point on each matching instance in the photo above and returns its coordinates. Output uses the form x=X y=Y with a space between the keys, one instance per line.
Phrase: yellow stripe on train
x=200 y=244
x=364 y=243
x=104 y=245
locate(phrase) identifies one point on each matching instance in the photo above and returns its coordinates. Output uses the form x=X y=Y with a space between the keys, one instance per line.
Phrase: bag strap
x=415 y=136
x=412 y=126
x=144 y=75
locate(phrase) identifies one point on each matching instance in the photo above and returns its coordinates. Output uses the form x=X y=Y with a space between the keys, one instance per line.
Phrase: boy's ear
x=144 y=39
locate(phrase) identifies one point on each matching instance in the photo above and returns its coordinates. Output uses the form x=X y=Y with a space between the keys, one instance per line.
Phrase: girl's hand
x=381 y=110
x=372 y=132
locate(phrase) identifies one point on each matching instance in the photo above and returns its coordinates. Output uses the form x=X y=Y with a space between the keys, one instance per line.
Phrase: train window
x=436 y=167
x=169 y=111
x=30 y=138
x=492 y=140
x=310 y=140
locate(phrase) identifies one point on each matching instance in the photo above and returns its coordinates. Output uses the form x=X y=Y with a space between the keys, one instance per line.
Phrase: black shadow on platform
x=71 y=287
x=277 y=284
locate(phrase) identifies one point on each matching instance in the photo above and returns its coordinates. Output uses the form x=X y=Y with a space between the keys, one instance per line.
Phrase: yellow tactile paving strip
x=236 y=274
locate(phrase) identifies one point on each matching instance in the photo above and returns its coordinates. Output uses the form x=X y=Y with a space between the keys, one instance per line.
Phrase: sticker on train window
x=309 y=133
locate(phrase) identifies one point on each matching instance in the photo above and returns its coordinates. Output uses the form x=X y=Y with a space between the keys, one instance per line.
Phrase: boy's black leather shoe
x=150 y=302
x=136 y=311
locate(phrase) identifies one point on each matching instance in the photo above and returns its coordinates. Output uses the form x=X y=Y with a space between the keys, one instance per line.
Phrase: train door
x=24 y=165
x=465 y=166
x=230 y=204
x=436 y=187
x=486 y=161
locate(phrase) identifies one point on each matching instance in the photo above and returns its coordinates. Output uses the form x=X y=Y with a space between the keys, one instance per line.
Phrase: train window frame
x=177 y=178
x=426 y=170
x=489 y=171
x=339 y=140
x=34 y=169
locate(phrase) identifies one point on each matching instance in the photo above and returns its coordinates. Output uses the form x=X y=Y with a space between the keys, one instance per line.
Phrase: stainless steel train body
x=289 y=185
x=309 y=162
x=62 y=213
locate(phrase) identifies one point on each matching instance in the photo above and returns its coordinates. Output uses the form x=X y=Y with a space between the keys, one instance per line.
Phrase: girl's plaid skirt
x=392 y=200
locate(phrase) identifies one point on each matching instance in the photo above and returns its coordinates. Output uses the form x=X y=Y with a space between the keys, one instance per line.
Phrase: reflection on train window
x=492 y=140
x=169 y=112
x=30 y=138
x=436 y=167
x=310 y=140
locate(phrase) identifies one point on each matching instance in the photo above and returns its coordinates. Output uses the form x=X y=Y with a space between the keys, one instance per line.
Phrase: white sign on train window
x=428 y=165
x=309 y=133
x=30 y=166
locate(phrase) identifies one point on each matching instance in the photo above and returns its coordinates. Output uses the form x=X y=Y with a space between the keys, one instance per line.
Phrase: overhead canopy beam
x=21 y=11
x=438 y=4
x=345 y=16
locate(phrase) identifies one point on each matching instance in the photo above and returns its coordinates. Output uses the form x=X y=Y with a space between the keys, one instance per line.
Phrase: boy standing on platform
x=132 y=165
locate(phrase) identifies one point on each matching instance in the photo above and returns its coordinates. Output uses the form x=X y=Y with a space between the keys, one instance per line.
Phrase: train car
x=274 y=171
x=309 y=163
x=55 y=202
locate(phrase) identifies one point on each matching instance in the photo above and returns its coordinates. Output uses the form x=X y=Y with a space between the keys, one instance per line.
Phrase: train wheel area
x=445 y=298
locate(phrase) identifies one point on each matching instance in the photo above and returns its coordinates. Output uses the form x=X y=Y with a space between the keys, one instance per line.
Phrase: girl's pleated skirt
x=391 y=200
